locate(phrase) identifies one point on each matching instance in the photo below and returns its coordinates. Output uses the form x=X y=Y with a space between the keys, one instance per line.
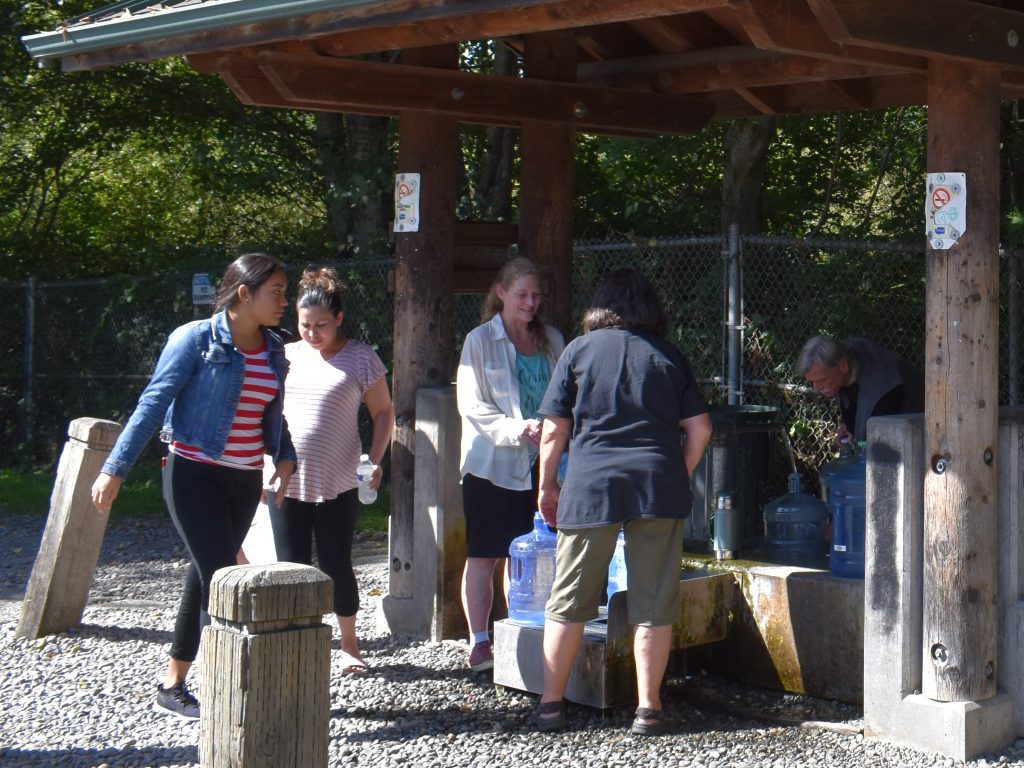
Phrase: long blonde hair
x=512 y=270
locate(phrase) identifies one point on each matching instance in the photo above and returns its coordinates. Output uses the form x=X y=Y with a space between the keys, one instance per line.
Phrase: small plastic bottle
x=364 y=473
x=617 y=580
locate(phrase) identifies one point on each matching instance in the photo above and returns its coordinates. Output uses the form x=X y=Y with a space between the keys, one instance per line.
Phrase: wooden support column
x=265 y=662
x=424 y=286
x=58 y=588
x=546 y=179
x=961 y=398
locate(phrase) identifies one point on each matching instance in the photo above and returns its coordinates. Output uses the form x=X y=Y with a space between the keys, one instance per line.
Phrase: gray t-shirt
x=626 y=393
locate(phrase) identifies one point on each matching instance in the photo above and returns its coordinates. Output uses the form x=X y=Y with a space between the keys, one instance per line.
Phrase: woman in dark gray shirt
x=622 y=393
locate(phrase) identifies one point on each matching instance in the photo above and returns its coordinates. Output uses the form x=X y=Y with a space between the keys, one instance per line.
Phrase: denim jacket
x=194 y=392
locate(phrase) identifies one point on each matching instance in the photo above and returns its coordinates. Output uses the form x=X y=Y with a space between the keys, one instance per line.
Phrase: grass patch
x=28 y=492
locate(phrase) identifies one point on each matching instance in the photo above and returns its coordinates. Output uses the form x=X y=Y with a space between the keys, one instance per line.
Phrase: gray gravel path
x=83 y=698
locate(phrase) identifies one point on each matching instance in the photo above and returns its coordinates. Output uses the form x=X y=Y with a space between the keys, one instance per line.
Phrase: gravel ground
x=83 y=698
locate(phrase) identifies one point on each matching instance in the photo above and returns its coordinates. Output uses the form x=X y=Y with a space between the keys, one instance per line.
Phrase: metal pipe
x=30 y=338
x=734 y=328
x=1012 y=327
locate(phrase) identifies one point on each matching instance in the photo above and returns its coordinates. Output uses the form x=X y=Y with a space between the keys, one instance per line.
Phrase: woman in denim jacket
x=217 y=389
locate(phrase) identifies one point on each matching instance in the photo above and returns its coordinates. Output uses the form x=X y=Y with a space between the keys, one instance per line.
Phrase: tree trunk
x=746 y=157
x=494 y=177
x=1012 y=176
x=358 y=164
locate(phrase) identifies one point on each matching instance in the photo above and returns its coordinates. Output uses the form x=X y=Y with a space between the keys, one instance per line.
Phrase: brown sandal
x=654 y=725
x=549 y=716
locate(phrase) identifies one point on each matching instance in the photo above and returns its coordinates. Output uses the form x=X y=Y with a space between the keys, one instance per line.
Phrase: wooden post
x=424 y=286
x=961 y=396
x=62 y=574
x=265 y=665
x=546 y=179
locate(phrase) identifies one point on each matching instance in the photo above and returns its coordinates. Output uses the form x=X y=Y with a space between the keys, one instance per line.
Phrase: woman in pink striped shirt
x=329 y=377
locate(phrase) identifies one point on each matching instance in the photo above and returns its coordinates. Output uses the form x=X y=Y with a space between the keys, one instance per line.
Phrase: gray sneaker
x=176 y=700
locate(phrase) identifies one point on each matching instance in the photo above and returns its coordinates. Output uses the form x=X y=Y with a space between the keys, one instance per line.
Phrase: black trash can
x=746 y=456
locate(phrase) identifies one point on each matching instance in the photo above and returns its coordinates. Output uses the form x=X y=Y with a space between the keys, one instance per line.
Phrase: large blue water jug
x=532 y=568
x=828 y=470
x=794 y=527
x=847 y=504
x=617 y=567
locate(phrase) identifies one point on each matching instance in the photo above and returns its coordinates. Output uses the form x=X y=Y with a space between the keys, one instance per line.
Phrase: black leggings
x=334 y=523
x=212 y=507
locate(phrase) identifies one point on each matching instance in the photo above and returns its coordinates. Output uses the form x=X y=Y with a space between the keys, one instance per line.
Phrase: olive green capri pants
x=654 y=553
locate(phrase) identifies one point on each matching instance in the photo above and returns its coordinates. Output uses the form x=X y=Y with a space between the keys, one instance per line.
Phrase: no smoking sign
x=945 y=209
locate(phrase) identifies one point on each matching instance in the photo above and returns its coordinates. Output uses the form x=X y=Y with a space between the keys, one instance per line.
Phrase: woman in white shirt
x=503 y=374
x=329 y=377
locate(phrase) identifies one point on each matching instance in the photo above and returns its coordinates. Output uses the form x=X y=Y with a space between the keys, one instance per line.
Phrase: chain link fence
x=87 y=347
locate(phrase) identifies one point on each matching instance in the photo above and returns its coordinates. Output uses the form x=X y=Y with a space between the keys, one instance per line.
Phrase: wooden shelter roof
x=642 y=66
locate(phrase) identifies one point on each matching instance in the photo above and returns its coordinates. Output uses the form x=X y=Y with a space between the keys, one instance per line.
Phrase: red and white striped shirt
x=244 y=448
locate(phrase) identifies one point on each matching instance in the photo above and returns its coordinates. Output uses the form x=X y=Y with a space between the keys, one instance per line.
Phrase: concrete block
x=796 y=629
x=439 y=541
x=960 y=730
x=894 y=708
x=893 y=567
x=1010 y=652
x=604 y=674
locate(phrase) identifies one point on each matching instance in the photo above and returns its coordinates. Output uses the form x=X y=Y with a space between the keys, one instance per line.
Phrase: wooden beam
x=481 y=247
x=718 y=69
x=958 y=29
x=790 y=26
x=341 y=85
x=423 y=310
x=514 y=22
x=960 y=632
x=546 y=181
x=401 y=24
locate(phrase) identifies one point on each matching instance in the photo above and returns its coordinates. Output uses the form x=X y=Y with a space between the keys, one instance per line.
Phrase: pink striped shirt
x=321 y=404
x=244 y=448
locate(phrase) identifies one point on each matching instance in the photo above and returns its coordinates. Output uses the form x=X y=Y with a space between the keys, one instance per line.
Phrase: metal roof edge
x=172 y=22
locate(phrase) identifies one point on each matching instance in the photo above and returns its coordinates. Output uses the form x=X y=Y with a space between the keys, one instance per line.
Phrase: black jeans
x=212 y=507
x=333 y=523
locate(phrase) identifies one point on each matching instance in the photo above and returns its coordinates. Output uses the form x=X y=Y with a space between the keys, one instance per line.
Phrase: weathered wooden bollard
x=265 y=668
x=62 y=574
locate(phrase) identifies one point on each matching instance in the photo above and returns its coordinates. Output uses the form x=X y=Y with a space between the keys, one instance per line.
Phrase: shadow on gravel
x=417 y=672
x=120 y=634
x=89 y=758
x=398 y=724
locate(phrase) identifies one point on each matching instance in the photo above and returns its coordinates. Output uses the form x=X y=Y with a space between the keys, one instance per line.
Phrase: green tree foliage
x=856 y=175
x=135 y=165
x=668 y=185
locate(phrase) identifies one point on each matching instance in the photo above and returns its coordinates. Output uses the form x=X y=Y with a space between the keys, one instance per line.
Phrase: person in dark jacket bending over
x=865 y=379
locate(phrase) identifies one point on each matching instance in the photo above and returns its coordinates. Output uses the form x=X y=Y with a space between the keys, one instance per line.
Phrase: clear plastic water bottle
x=364 y=473
x=617 y=568
x=532 y=572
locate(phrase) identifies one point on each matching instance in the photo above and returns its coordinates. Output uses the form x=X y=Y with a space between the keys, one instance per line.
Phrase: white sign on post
x=202 y=289
x=945 y=209
x=407 y=202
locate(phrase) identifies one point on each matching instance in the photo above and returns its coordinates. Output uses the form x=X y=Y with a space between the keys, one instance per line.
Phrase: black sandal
x=654 y=725
x=549 y=716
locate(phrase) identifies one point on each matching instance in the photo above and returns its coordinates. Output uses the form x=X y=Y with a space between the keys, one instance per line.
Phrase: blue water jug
x=848 y=507
x=617 y=567
x=828 y=470
x=794 y=527
x=532 y=569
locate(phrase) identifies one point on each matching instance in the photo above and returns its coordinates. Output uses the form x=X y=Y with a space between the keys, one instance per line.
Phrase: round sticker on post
x=945 y=209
